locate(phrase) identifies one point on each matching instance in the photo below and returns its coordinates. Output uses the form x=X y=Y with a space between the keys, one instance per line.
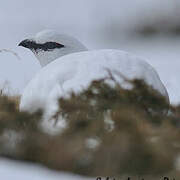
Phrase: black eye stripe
x=48 y=46
x=52 y=45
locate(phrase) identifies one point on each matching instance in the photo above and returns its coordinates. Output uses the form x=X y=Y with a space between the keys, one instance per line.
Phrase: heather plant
x=110 y=132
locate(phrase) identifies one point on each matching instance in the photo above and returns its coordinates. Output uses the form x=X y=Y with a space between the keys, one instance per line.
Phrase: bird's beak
x=25 y=43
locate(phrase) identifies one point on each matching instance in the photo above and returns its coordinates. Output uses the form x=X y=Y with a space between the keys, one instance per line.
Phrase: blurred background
x=147 y=28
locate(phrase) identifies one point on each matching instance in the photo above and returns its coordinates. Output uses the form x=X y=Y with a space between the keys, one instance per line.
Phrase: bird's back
x=76 y=71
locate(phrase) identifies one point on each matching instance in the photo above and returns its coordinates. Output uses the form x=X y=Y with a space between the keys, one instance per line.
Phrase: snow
x=92 y=143
x=163 y=54
x=20 y=171
x=14 y=73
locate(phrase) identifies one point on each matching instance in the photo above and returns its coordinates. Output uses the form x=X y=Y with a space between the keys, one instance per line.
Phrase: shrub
x=110 y=132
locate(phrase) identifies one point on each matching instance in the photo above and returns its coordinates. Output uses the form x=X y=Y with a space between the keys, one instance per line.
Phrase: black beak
x=26 y=43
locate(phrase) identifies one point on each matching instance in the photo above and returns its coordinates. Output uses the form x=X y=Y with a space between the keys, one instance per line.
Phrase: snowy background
x=21 y=171
x=98 y=24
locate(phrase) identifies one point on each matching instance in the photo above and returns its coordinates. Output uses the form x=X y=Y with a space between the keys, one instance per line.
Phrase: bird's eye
x=52 y=45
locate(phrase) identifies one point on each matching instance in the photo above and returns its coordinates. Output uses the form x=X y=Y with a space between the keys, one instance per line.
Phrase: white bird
x=67 y=66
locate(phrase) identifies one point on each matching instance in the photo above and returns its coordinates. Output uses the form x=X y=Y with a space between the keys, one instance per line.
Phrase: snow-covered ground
x=24 y=171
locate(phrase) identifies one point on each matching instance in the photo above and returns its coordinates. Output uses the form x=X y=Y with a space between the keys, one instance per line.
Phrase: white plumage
x=75 y=71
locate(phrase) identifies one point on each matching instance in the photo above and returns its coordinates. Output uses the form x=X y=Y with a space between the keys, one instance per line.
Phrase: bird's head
x=49 y=45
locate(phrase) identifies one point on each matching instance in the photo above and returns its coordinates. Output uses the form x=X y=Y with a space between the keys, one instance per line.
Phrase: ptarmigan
x=68 y=66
